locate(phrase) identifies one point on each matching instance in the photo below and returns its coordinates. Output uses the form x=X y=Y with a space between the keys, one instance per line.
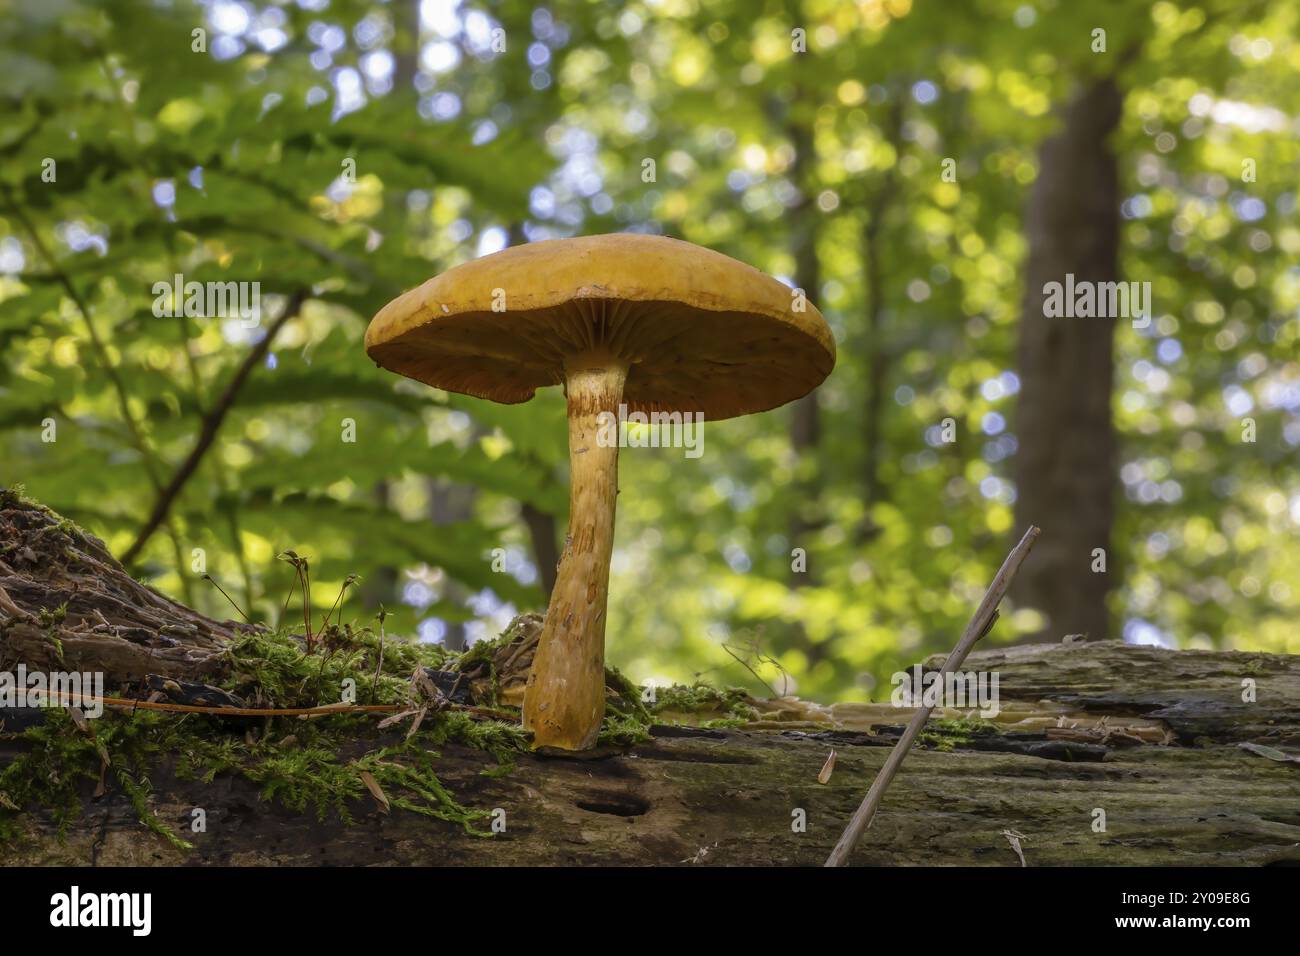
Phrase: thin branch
x=977 y=628
x=211 y=425
x=745 y=664
x=152 y=465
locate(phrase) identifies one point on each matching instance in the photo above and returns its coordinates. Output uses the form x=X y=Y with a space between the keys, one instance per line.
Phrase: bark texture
x=67 y=604
x=1066 y=464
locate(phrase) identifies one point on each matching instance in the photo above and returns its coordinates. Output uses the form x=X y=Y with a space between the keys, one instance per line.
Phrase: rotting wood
x=78 y=610
x=1148 y=735
x=1191 y=802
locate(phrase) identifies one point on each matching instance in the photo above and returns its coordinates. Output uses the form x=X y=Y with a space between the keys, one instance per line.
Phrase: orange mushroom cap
x=700 y=331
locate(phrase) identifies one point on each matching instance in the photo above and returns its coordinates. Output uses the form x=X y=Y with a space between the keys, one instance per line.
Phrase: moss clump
x=302 y=767
x=485 y=652
x=316 y=776
x=274 y=667
x=725 y=723
x=623 y=729
x=704 y=704
x=50 y=619
x=59 y=758
x=307 y=769
x=947 y=735
x=15 y=496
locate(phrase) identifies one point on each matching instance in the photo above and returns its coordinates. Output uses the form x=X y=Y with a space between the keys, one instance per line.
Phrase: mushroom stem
x=564 y=700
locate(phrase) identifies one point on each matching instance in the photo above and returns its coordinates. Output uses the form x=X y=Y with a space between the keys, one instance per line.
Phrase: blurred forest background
x=920 y=167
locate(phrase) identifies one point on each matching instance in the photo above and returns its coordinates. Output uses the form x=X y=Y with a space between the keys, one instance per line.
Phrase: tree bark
x=1065 y=469
x=67 y=604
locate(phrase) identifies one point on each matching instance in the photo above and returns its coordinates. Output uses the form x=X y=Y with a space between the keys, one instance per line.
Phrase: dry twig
x=979 y=625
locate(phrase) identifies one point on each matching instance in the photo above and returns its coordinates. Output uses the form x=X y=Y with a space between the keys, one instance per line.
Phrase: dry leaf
x=375 y=789
x=415 y=724
x=1272 y=753
x=827 y=769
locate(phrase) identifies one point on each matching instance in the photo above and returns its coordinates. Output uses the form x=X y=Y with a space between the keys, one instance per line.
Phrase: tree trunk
x=1065 y=468
x=67 y=604
x=876 y=354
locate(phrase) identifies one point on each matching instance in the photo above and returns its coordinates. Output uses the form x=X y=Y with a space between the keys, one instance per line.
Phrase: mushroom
x=646 y=322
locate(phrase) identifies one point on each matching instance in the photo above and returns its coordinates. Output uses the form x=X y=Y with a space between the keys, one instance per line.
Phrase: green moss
x=729 y=707
x=947 y=735
x=502 y=740
x=623 y=730
x=49 y=772
x=485 y=652
x=274 y=666
x=305 y=770
x=301 y=768
x=49 y=619
x=316 y=777
x=627 y=700
x=58 y=759
x=137 y=792
x=15 y=496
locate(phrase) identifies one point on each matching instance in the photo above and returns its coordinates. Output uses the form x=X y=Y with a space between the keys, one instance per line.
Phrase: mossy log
x=731 y=797
x=1150 y=738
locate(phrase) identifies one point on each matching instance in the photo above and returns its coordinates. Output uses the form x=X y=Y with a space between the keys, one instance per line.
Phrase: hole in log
x=616 y=804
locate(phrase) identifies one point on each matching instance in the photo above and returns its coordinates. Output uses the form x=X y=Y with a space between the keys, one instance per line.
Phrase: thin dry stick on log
x=977 y=628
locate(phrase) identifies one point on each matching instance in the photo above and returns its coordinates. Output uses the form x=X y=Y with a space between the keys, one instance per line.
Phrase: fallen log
x=1101 y=754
